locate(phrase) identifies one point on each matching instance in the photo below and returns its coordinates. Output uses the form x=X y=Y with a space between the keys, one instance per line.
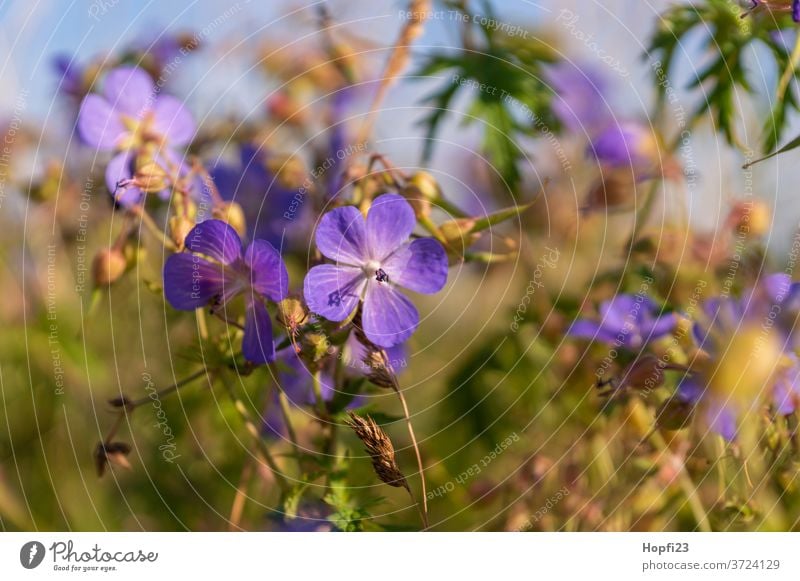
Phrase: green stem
x=280 y=479
x=788 y=72
x=684 y=478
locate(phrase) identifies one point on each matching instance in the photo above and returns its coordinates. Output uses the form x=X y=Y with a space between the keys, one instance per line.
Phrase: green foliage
x=503 y=75
x=729 y=38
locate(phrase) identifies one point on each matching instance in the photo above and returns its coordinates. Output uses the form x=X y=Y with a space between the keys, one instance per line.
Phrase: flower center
x=381 y=276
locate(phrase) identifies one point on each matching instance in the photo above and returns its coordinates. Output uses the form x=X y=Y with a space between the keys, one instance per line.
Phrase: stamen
x=381 y=276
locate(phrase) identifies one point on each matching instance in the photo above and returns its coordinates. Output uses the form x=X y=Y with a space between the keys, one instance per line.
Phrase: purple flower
x=373 y=258
x=216 y=269
x=273 y=212
x=720 y=417
x=626 y=145
x=130 y=113
x=786 y=387
x=581 y=97
x=628 y=321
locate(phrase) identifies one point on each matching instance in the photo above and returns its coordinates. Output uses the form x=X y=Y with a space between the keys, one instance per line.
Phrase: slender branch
x=280 y=479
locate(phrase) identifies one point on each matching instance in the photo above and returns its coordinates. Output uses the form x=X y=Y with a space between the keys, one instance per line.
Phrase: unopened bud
x=232 y=213
x=179 y=228
x=150 y=177
x=646 y=373
x=673 y=414
x=458 y=234
x=109 y=264
x=750 y=219
x=291 y=313
x=290 y=171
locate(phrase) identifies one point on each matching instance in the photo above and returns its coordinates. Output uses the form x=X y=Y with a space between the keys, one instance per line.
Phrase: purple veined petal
x=172 y=120
x=99 y=124
x=390 y=222
x=333 y=291
x=191 y=282
x=796 y=10
x=257 y=346
x=420 y=266
x=216 y=239
x=267 y=271
x=130 y=90
x=341 y=236
x=118 y=170
x=388 y=318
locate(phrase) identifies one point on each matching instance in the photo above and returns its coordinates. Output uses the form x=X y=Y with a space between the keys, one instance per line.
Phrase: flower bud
x=750 y=218
x=421 y=192
x=291 y=313
x=109 y=264
x=646 y=374
x=179 y=228
x=233 y=214
x=749 y=358
x=150 y=177
x=458 y=234
x=290 y=171
x=674 y=414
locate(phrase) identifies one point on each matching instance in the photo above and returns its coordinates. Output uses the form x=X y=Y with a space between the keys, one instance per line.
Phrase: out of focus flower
x=130 y=113
x=373 y=258
x=627 y=144
x=779 y=6
x=720 y=416
x=217 y=268
x=71 y=76
x=580 y=102
x=628 y=321
x=273 y=211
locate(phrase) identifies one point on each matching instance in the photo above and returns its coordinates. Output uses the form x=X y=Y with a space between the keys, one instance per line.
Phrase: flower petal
x=267 y=271
x=390 y=222
x=173 y=121
x=389 y=318
x=191 y=282
x=129 y=90
x=333 y=291
x=659 y=326
x=257 y=346
x=341 y=236
x=99 y=124
x=117 y=170
x=216 y=239
x=420 y=266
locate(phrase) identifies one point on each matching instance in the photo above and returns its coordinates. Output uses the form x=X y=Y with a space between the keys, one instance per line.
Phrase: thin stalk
x=250 y=425
x=167 y=390
x=150 y=224
x=287 y=418
x=788 y=72
x=684 y=478
x=424 y=511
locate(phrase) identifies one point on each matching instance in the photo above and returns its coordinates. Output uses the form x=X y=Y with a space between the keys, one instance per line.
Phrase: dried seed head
x=380 y=448
x=379 y=372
